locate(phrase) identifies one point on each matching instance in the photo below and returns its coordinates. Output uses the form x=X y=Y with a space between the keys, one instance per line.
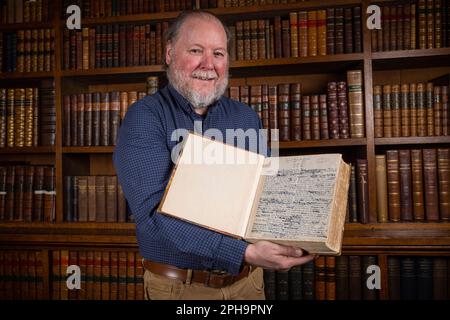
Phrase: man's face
x=198 y=61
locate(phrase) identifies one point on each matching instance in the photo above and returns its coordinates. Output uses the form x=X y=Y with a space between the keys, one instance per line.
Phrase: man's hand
x=272 y=256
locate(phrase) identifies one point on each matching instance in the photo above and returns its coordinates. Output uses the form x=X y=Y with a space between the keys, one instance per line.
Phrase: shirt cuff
x=231 y=254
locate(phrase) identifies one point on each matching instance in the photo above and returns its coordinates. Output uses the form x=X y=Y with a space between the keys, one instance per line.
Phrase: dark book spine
x=394 y=278
x=393 y=178
x=295 y=116
x=342 y=275
x=295 y=283
x=114 y=117
x=363 y=190
x=430 y=184
x=406 y=208
x=443 y=160
x=355 y=278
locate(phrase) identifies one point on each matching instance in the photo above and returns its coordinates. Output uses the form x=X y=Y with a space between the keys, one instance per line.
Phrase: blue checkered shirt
x=142 y=159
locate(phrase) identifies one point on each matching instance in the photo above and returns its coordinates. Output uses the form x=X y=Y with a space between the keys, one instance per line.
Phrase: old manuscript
x=301 y=201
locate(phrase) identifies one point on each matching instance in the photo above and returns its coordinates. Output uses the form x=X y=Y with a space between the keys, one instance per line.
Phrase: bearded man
x=182 y=260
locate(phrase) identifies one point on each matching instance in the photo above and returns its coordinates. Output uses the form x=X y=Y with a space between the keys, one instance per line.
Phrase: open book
x=236 y=192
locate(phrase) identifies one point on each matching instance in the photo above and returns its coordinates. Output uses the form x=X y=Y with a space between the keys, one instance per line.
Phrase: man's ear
x=168 y=52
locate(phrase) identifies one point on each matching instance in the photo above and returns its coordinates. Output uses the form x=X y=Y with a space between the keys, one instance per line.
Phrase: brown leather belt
x=213 y=279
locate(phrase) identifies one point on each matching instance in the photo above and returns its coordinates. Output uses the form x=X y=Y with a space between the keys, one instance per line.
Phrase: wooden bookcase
x=381 y=239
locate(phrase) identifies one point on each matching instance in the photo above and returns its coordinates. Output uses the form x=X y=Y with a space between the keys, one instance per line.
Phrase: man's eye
x=195 y=51
x=219 y=54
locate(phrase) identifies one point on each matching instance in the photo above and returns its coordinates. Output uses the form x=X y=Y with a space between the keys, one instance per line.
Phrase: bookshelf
x=313 y=72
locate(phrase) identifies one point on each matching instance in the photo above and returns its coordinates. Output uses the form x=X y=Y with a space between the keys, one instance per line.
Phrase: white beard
x=198 y=100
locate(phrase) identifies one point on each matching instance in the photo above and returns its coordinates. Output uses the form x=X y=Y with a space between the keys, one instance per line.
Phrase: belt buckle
x=220 y=276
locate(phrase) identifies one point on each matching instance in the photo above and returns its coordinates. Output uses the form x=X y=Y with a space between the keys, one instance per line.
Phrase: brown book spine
x=344 y=128
x=283 y=112
x=265 y=107
x=417 y=185
x=406 y=209
x=393 y=28
x=293 y=19
x=3 y=116
x=330 y=278
x=100 y=198
x=261 y=36
x=96 y=118
x=121 y=205
x=445 y=111
x=330 y=31
x=355 y=103
x=19 y=117
x=88 y=119
x=273 y=112
x=3 y=192
x=395 y=107
x=91 y=199
x=111 y=198
x=323 y=109
x=377 y=112
x=50 y=194
x=303 y=33
x=286 y=41
x=114 y=117
x=430 y=184
x=83 y=198
x=382 y=193
x=27 y=194
x=131 y=289
x=437 y=110
x=322 y=32
x=312 y=33
x=256 y=100
x=333 y=111
x=38 y=197
x=254 y=39
x=387 y=112
x=247 y=39
x=315 y=117
x=430 y=109
x=413 y=109
x=74 y=120
x=421 y=111
x=104 y=118
x=348 y=30
x=393 y=176
x=386 y=27
x=306 y=117
x=105 y=276
x=443 y=159
x=339 y=30
x=67 y=122
x=122 y=275
x=80 y=119
x=19 y=193
x=405 y=111
x=320 y=274
x=97 y=275
x=430 y=24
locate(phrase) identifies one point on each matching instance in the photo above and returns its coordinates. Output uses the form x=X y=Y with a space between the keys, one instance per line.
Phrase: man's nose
x=207 y=61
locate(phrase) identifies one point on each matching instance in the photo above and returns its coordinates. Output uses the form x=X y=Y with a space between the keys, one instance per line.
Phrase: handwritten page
x=296 y=202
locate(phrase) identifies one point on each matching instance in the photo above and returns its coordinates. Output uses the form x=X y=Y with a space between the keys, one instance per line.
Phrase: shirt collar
x=186 y=105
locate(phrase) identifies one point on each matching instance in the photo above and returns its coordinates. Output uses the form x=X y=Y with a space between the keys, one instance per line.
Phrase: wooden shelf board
x=27 y=150
x=407 y=59
x=397 y=234
x=411 y=140
x=26 y=75
x=322 y=143
x=24 y=26
x=112 y=71
x=224 y=12
x=88 y=149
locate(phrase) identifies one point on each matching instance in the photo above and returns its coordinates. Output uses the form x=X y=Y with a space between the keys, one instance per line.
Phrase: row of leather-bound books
x=424 y=24
x=414 y=109
x=113 y=8
x=413 y=185
x=30 y=50
x=338 y=114
x=309 y=33
x=105 y=275
x=27 y=117
x=301 y=34
x=27 y=193
x=22 y=275
x=353 y=277
x=25 y=11
x=93 y=119
x=94 y=199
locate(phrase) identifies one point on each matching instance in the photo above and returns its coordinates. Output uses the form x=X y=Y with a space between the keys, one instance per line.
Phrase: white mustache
x=204 y=75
